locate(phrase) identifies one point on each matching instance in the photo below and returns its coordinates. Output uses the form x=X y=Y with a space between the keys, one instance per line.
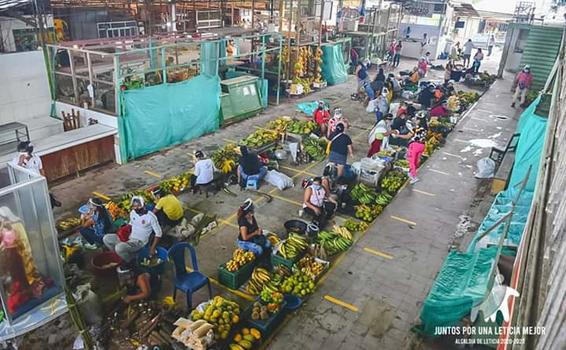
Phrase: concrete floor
x=390 y=269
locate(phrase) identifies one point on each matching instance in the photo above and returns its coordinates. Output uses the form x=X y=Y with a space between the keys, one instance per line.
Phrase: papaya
x=255 y=333
x=245 y=344
x=245 y=331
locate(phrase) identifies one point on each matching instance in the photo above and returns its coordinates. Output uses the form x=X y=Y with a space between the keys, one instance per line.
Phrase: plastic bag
x=279 y=180
x=486 y=168
x=372 y=105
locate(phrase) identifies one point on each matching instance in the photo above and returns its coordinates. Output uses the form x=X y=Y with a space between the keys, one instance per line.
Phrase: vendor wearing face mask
x=251 y=237
x=318 y=203
x=143 y=223
x=321 y=117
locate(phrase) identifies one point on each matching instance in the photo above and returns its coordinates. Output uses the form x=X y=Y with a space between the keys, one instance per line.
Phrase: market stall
x=32 y=287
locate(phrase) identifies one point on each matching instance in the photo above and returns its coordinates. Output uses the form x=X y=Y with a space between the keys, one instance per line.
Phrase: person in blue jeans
x=251 y=237
x=249 y=166
x=96 y=223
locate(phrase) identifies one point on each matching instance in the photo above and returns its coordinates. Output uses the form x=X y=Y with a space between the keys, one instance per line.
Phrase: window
x=25 y=39
x=521 y=40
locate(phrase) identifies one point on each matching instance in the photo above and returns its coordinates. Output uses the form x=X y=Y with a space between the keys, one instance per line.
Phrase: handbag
x=124 y=232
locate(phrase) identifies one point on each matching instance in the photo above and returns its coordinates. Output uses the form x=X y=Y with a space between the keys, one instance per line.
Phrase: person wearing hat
x=321 y=117
x=96 y=222
x=417 y=137
x=337 y=118
x=168 y=208
x=249 y=166
x=204 y=171
x=318 y=203
x=524 y=81
x=250 y=237
x=379 y=134
x=340 y=147
x=143 y=223
x=27 y=159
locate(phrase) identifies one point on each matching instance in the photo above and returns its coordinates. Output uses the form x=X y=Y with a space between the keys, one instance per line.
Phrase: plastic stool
x=252 y=183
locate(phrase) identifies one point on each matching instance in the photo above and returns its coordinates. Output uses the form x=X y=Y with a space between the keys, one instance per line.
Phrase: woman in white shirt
x=204 y=171
x=318 y=203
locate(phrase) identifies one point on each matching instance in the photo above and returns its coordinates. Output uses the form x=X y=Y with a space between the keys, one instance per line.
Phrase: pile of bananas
x=273 y=239
x=383 y=199
x=306 y=83
x=115 y=211
x=260 y=277
x=355 y=226
x=279 y=125
x=402 y=163
x=226 y=158
x=333 y=243
x=318 y=64
x=386 y=153
x=125 y=201
x=315 y=148
x=311 y=267
x=343 y=232
x=67 y=224
x=239 y=258
x=363 y=194
x=303 y=127
x=293 y=246
x=368 y=212
x=260 y=137
x=393 y=181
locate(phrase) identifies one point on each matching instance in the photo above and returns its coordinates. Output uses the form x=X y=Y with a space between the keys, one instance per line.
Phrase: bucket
x=105 y=263
x=312 y=231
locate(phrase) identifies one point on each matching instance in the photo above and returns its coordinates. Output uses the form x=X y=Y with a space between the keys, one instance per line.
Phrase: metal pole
x=164 y=65
x=281 y=14
x=73 y=76
x=321 y=22
x=506 y=48
x=279 y=68
x=288 y=63
x=90 y=78
x=253 y=13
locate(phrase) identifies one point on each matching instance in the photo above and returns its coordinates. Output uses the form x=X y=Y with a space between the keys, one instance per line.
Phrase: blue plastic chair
x=187 y=282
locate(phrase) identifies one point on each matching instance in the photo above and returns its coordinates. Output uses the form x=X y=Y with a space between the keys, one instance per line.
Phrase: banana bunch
x=343 y=232
x=225 y=158
x=293 y=246
x=318 y=63
x=115 y=211
x=260 y=137
x=363 y=194
x=311 y=267
x=383 y=199
x=69 y=223
x=316 y=149
x=332 y=243
x=273 y=239
x=125 y=201
x=240 y=257
x=176 y=184
x=260 y=277
x=279 y=125
x=393 y=181
x=368 y=212
x=303 y=127
x=355 y=226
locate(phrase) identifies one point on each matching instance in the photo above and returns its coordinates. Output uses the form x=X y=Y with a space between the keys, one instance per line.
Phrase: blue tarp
x=163 y=115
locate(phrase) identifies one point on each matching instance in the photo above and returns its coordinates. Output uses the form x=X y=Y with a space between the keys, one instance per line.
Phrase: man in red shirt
x=321 y=116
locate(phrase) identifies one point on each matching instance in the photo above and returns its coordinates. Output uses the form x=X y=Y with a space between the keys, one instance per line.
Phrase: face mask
x=316 y=186
x=140 y=211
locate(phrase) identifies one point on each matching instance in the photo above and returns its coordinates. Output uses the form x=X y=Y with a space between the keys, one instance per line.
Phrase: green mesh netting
x=163 y=115
x=333 y=67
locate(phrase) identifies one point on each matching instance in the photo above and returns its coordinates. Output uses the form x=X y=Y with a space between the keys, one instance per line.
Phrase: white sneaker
x=414 y=180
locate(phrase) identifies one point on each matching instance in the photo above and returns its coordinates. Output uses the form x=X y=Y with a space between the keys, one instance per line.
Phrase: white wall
x=25 y=95
x=103 y=118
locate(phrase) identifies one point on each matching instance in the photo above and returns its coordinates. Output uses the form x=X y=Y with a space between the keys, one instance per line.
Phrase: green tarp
x=209 y=56
x=163 y=115
x=333 y=67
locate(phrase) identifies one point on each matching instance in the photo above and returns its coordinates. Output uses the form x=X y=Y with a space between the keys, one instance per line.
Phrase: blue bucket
x=293 y=302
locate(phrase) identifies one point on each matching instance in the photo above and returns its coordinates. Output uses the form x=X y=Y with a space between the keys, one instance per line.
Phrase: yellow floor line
x=151 y=173
x=378 y=253
x=101 y=196
x=403 y=220
x=297 y=170
x=438 y=171
x=423 y=192
x=341 y=303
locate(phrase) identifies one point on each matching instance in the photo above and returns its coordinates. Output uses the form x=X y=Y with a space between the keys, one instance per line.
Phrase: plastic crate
x=266 y=327
x=234 y=280
x=277 y=259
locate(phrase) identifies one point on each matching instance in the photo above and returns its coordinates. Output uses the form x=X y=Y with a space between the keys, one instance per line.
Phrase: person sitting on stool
x=143 y=224
x=318 y=203
x=249 y=166
x=204 y=171
x=168 y=208
x=251 y=237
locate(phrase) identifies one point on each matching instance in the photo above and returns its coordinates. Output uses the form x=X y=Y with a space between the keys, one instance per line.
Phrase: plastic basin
x=293 y=302
x=296 y=226
x=105 y=263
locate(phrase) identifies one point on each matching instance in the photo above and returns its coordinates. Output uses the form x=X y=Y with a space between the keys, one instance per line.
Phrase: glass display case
x=31 y=273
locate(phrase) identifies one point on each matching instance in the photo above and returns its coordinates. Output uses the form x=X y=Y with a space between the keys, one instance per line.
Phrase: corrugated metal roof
x=7 y=4
x=541 y=50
